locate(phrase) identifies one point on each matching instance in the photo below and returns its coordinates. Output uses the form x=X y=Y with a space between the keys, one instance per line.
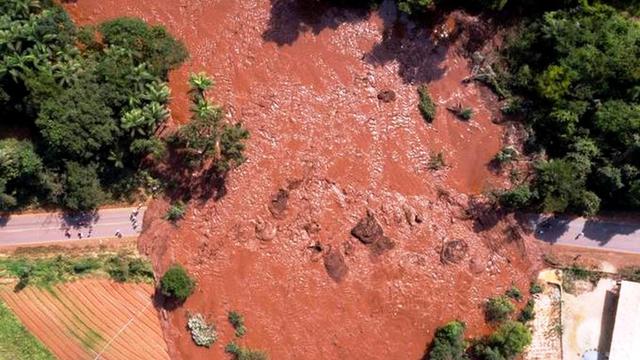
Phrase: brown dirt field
x=305 y=83
x=73 y=247
x=86 y=318
x=590 y=258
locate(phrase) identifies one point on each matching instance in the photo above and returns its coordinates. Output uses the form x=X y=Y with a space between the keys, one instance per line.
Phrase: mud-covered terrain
x=327 y=152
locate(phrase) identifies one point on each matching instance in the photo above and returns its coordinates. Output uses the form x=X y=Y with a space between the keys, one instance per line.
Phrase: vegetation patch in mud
x=16 y=342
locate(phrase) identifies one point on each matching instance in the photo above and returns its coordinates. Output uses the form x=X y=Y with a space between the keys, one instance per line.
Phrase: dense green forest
x=576 y=76
x=84 y=111
x=80 y=108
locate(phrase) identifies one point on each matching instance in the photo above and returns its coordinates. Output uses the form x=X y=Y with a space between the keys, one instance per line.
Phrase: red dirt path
x=82 y=319
x=311 y=106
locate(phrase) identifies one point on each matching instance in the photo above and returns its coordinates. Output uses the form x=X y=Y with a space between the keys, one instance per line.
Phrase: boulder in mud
x=312 y=227
x=278 y=204
x=265 y=230
x=368 y=230
x=382 y=245
x=476 y=266
x=387 y=96
x=454 y=251
x=335 y=265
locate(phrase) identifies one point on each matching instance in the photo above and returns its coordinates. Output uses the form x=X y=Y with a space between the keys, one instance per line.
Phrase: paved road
x=607 y=234
x=51 y=227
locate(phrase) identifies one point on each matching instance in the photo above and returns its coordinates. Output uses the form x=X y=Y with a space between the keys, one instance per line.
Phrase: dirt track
x=305 y=83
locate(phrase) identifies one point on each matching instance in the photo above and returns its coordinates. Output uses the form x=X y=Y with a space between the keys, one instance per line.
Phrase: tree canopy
x=578 y=72
x=90 y=107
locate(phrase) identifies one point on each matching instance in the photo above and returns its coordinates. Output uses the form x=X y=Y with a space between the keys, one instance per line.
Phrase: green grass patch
x=48 y=271
x=16 y=342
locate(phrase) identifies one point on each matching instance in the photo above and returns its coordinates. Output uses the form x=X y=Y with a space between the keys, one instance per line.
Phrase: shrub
x=203 y=334
x=176 y=283
x=506 y=155
x=510 y=339
x=237 y=321
x=516 y=198
x=631 y=273
x=528 y=312
x=514 y=293
x=498 y=308
x=243 y=353
x=448 y=343
x=535 y=288
x=86 y=265
x=465 y=113
x=426 y=105
x=176 y=211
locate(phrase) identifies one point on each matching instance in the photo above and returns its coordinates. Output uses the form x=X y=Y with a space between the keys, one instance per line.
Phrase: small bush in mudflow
x=535 y=288
x=176 y=283
x=528 y=313
x=176 y=211
x=436 y=162
x=203 y=334
x=426 y=105
x=506 y=155
x=244 y=353
x=465 y=113
x=514 y=293
x=498 y=309
x=237 y=321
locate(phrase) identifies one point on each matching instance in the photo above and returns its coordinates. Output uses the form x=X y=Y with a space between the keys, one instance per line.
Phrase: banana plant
x=140 y=77
x=158 y=92
x=134 y=121
x=204 y=109
x=200 y=82
x=155 y=114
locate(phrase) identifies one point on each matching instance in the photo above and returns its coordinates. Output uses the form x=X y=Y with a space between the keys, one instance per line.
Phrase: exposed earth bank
x=327 y=152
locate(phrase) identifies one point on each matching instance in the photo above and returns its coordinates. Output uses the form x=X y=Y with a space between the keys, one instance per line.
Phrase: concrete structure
x=626 y=331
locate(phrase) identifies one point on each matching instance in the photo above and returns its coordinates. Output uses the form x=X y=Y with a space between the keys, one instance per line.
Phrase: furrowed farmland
x=87 y=319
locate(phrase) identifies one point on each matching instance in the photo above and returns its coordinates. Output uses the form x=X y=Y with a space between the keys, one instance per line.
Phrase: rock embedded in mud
x=454 y=251
x=387 y=96
x=265 y=230
x=370 y=233
x=476 y=266
x=410 y=215
x=368 y=230
x=312 y=227
x=382 y=245
x=278 y=204
x=335 y=265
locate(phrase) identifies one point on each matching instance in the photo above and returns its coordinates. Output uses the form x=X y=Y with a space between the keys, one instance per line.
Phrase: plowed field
x=91 y=319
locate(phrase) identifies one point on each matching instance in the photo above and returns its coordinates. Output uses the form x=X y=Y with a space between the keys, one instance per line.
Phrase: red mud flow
x=306 y=84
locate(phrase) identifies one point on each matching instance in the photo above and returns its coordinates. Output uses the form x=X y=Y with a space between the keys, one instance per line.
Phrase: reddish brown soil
x=307 y=91
x=85 y=318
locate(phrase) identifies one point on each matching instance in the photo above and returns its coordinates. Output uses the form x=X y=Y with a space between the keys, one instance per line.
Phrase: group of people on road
x=133 y=218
